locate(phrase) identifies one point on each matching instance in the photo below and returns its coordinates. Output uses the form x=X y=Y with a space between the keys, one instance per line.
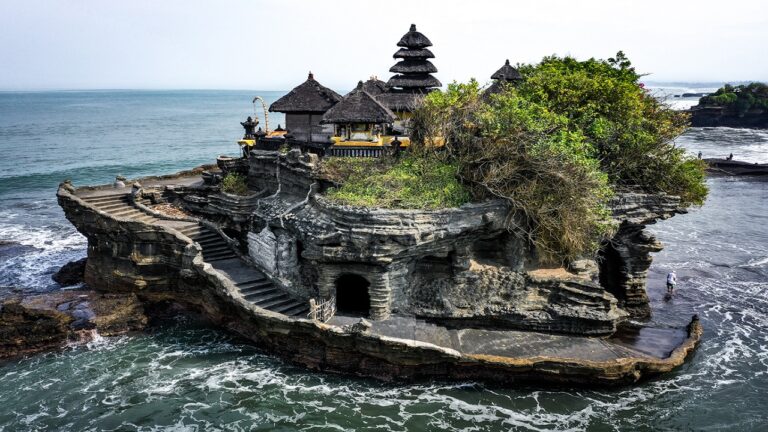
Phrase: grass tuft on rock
x=405 y=183
x=234 y=183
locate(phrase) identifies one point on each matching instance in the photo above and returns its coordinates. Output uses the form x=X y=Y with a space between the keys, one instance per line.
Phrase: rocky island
x=742 y=106
x=404 y=232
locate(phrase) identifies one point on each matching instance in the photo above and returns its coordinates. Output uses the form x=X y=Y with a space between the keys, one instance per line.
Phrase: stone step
x=299 y=310
x=268 y=295
x=194 y=230
x=203 y=236
x=191 y=227
x=105 y=198
x=268 y=288
x=219 y=257
x=219 y=247
x=292 y=308
x=252 y=283
x=261 y=293
x=112 y=206
x=128 y=214
x=212 y=242
x=275 y=303
x=147 y=219
x=217 y=252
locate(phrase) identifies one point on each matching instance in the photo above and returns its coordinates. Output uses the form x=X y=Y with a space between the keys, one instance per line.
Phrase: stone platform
x=160 y=258
x=627 y=343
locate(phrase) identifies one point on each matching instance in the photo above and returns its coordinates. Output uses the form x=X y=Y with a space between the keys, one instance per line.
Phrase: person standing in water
x=671 y=281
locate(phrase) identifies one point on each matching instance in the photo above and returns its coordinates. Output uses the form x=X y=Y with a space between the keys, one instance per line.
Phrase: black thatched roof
x=418 y=81
x=496 y=87
x=358 y=107
x=400 y=101
x=413 y=66
x=310 y=96
x=375 y=86
x=414 y=39
x=406 y=53
x=507 y=73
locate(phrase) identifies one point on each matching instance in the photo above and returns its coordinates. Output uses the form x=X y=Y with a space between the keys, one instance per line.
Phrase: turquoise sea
x=185 y=376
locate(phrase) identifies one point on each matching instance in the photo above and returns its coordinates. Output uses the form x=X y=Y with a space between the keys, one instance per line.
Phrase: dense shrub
x=741 y=98
x=557 y=146
x=508 y=147
x=234 y=183
x=631 y=131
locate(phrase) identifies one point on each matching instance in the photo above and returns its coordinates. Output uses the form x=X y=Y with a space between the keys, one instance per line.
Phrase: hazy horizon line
x=129 y=89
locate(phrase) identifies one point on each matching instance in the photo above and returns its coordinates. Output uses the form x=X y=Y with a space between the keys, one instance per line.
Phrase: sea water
x=184 y=376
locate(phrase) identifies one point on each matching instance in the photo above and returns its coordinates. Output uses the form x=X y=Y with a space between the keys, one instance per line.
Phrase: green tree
x=631 y=131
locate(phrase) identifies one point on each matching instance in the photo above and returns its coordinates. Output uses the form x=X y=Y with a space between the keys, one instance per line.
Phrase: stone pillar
x=624 y=268
x=379 y=293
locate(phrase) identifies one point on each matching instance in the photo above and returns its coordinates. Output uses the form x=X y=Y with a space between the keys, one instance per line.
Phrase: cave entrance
x=611 y=275
x=352 y=296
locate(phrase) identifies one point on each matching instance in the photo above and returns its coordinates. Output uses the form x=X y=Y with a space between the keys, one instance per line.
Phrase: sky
x=271 y=45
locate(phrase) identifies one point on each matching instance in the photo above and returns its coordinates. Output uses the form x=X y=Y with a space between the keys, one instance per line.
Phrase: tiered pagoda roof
x=359 y=106
x=308 y=97
x=414 y=70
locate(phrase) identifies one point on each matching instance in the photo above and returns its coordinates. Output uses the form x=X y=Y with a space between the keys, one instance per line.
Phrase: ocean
x=185 y=376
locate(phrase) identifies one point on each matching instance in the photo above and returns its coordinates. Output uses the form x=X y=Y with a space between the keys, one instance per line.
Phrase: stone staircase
x=251 y=282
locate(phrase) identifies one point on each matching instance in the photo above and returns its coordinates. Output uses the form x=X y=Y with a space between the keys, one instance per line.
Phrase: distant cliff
x=744 y=106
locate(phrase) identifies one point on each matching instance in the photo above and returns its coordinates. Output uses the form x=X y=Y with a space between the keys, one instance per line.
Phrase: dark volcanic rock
x=71 y=273
x=733 y=167
x=625 y=260
x=713 y=116
x=48 y=321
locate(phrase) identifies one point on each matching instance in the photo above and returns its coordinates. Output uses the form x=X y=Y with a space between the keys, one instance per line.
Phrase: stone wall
x=418 y=263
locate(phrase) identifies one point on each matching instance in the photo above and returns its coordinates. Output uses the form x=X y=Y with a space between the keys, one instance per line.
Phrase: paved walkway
x=627 y=342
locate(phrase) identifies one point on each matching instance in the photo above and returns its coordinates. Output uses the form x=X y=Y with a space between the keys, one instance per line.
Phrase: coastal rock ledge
x=54 y=320
x=448 y=294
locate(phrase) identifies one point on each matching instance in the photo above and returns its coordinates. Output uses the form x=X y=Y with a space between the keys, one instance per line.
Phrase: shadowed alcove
x=352 y=296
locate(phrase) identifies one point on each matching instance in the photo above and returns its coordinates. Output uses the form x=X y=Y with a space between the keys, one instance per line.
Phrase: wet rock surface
x=49 y=321
x=72 y=273
x=626 y=258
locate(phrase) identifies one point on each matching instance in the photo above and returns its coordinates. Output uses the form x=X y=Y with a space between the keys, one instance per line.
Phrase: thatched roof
x=310 y=96
x=400 y=101
x=406 y=53
x=375 y=86
x=507 y=73
x=496 y=87
x=358 y=107
x=413 y=66
x=419 y=81
x=414 y=39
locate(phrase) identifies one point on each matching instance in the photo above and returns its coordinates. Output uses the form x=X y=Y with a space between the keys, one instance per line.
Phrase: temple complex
x=362 y=126
x=386 y=293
